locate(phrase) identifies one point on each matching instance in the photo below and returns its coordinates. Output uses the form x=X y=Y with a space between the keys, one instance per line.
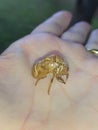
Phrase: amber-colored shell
x=53 y=64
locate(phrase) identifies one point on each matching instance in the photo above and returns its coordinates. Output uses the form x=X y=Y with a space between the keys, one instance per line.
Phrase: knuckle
x=95 y=32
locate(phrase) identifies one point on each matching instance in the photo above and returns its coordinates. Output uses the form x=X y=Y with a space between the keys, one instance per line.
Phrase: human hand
x=72 y=106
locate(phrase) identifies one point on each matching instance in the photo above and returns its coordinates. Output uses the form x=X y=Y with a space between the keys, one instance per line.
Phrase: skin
x=74 y=106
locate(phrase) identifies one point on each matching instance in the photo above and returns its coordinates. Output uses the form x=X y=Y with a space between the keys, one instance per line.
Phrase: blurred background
x=18 y=18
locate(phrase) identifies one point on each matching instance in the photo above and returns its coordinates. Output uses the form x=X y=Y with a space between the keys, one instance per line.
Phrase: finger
x=77 y=33
x=55 y=24
x=93 y=40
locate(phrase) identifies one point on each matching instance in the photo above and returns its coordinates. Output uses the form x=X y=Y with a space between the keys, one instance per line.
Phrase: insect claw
x=36 y=81
x=64 y=82
x=48 y=92
x=60 y=79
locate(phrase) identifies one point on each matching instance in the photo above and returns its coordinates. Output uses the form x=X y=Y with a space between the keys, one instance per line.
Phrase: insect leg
x=67 y=74
x=49 y=88
x=36 y=81
x=67 y=71
x=60 y=79
x=40 y=77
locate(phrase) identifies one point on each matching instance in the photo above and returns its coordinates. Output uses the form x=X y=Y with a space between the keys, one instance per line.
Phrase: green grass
x=95 y=23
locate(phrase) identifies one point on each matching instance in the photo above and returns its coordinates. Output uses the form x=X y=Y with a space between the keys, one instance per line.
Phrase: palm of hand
x=75 y=102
